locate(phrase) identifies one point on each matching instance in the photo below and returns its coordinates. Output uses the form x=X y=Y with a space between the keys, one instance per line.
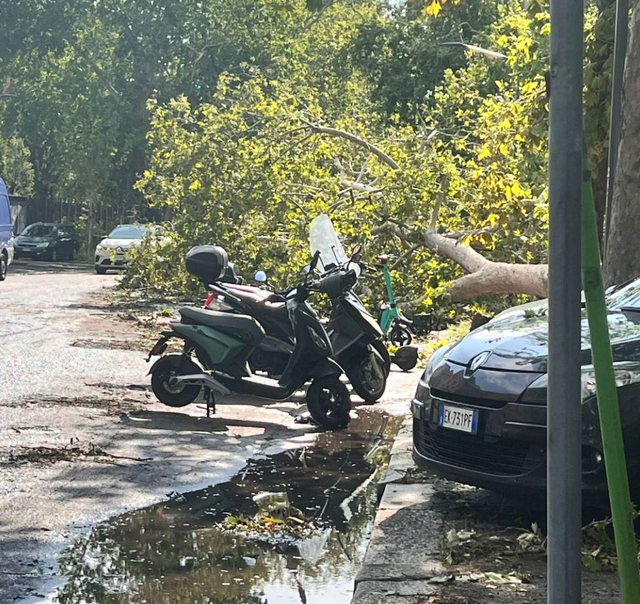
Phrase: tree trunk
x=622 y=260
x=485 y=276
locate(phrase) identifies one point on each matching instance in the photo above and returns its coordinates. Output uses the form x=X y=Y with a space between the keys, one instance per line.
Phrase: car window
x=39 y=230
x=127 y=232
x=627 y=296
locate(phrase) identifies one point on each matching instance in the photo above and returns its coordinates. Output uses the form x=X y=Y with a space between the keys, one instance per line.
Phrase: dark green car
x=47 y=240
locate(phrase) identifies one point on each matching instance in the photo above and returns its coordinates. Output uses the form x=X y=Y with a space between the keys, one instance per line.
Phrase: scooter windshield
x=323 y=238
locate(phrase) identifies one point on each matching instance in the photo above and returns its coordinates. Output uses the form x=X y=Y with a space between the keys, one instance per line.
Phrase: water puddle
x=185 y=550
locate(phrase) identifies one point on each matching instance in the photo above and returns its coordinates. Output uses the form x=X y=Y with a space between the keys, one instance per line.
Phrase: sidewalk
x=439 y=542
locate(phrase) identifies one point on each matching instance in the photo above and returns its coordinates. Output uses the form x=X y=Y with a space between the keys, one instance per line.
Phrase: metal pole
x=564 y=404
x=619 y=55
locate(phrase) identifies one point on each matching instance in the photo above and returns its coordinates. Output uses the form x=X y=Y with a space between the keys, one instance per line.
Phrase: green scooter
x=216 y=347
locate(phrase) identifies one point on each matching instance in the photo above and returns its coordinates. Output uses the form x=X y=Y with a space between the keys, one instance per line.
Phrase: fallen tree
x=484 y=277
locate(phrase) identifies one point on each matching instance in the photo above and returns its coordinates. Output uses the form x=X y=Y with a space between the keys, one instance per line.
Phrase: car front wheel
x=3 y=266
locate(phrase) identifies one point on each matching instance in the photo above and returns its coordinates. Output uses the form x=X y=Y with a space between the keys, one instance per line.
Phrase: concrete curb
x=401 y=562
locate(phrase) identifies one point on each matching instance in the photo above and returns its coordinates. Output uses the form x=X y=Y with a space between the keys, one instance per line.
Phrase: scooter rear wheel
x=400 y=335
x=329 y=402
x=174 y=395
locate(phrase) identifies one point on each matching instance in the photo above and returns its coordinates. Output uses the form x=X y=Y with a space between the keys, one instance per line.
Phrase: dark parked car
x=48 y=240
x=479 y=413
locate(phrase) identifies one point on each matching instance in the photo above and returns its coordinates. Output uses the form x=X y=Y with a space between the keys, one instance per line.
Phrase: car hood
x=125 y=244
x=517 y=340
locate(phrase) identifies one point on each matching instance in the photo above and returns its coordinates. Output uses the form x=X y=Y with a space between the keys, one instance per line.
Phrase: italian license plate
x=458 y=418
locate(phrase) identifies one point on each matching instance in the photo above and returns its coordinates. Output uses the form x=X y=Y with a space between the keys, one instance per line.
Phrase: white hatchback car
x=111 y=252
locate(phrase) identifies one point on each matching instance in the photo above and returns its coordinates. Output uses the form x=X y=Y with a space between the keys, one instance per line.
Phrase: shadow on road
x=35 y=267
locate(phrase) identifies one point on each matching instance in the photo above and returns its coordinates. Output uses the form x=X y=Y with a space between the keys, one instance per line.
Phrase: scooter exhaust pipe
x=201 y=379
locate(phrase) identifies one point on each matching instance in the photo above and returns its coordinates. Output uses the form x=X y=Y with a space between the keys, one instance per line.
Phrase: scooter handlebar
x=336 y=283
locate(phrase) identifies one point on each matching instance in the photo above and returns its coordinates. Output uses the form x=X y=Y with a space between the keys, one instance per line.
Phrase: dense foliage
x=250 y=168
x=232 y=119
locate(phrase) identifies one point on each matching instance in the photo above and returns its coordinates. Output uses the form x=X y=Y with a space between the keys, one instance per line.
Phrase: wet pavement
x=183 y=551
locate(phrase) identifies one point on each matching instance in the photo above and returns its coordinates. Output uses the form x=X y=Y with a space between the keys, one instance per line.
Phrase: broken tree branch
x=486 y=276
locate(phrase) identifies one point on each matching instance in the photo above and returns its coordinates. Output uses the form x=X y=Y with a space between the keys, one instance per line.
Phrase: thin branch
x=381 y=155
x=407 y=254
x=358 y=186
x=440 y=198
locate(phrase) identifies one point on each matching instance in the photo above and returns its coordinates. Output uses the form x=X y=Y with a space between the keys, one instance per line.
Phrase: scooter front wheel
x=329 y=402
x=368 y=376
x=380 y=346
x=174 y=395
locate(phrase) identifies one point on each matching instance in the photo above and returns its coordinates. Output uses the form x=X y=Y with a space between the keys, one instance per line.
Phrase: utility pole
x=564 y=389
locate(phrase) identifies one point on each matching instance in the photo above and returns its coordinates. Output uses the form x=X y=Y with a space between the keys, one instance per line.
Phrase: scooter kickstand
x=210 y=399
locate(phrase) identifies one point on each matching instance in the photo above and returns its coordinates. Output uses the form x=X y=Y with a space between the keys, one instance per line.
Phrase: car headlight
x=625 y=373
x=423 y=392
x=434 y=361
x=100 y=248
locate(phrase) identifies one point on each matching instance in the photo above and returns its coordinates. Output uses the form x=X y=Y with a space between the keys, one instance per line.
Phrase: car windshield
x=127 y=231
x=39 y=230
x=628 y=296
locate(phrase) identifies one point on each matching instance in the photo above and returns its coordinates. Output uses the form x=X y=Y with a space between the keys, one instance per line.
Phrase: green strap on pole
x=607 y=395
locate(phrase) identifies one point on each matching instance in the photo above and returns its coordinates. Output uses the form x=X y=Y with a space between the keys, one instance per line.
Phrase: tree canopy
x=239 y=121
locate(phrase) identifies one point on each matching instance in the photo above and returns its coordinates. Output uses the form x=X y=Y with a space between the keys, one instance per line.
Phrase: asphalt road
x=45 y=309
x=82 y=437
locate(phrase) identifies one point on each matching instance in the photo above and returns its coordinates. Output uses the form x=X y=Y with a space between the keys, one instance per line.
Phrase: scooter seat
x=269 y=309
x=243 y=327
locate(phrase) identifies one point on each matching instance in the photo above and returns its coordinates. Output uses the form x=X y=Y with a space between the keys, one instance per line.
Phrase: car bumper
x=108 y=260
x=31 y=252
x=508 y=453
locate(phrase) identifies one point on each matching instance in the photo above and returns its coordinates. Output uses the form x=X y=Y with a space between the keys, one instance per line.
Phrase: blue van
x=6 y=232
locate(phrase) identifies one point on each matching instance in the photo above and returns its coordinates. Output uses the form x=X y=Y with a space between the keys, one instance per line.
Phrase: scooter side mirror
x=314 y=261
x=261 y=277
x=356 y=254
